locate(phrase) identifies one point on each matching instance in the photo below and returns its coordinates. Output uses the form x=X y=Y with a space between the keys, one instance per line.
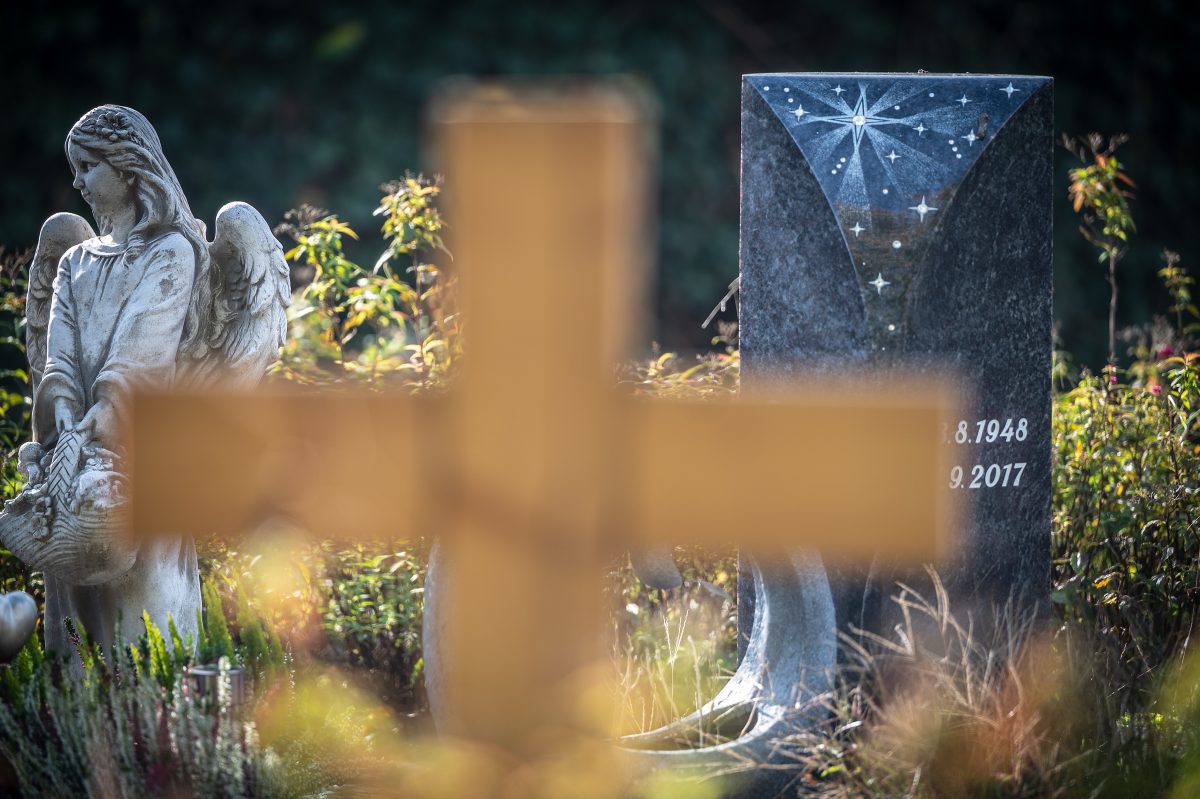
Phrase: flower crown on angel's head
x=110 y=124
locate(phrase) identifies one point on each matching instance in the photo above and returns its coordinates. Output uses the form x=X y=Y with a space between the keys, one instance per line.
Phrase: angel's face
x=102 y=186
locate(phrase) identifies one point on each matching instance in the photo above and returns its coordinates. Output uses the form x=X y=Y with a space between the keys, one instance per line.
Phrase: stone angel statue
x=149 y=302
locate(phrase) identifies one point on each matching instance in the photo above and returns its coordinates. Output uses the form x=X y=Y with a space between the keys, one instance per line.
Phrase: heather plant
x=128 y=723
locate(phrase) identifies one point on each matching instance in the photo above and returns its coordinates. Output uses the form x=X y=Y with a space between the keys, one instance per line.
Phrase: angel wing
x=59 y=233
x=249 y=322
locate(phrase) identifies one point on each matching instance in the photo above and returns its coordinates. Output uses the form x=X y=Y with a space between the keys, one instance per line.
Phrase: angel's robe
x=115 y=324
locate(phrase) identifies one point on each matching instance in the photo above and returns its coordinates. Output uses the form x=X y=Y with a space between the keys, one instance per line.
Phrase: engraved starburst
x=921 y=208
x=859 y=118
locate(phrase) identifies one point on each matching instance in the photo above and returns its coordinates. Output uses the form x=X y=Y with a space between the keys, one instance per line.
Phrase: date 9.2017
x=996 y=475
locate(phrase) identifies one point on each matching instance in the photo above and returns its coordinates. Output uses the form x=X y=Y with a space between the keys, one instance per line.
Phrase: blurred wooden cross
x=534 y=467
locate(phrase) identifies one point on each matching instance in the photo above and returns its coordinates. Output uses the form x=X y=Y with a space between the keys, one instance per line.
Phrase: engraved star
x=839 y=90
x=1009 y=90
x=971 y=137
x=858 y=120
x=922 y=208
x=799 y=112
x=892 y=155
x=879 y=283
x=857 y=229
x=921 y=128
x=963 y=100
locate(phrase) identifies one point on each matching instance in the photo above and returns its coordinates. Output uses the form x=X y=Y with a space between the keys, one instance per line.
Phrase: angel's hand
x=99 y=423
x=63 y=416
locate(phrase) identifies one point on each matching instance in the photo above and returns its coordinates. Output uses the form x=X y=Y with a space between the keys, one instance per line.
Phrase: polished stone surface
x=902 y=223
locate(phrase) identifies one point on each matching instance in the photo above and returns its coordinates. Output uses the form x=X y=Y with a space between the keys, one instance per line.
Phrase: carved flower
x=111 y=125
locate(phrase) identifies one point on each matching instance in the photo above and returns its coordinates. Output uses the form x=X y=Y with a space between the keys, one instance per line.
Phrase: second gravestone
x=902 y=223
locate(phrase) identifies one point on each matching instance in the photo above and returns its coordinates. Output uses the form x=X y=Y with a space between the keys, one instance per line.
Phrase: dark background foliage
x=279 y=103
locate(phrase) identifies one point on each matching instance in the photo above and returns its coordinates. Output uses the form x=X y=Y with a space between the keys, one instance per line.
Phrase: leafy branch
x=1101 y=191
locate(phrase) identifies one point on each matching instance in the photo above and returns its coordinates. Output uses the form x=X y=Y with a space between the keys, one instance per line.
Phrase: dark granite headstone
x=892 y=223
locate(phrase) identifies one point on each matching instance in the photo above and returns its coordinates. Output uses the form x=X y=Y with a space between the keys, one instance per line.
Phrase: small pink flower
x=1156 y=389
x=1112 y=379
x=1165 y=352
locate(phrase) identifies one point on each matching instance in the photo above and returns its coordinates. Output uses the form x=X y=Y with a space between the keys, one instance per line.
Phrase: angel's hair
x=125 y=139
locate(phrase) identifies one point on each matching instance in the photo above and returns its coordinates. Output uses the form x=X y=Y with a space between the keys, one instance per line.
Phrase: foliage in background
x=358 y=608
x=373 y=615
x=279 y=103
x=1127 y=511
x=710 y=375
x=1097 y=192
x=15 y=406
x=390 y=325
x=14 y=381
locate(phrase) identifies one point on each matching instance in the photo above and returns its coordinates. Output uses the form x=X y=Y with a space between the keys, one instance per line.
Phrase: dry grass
x=1014 y=708
x=673 y=650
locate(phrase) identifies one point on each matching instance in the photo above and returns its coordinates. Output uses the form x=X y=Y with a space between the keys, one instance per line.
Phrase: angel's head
x=118 y=162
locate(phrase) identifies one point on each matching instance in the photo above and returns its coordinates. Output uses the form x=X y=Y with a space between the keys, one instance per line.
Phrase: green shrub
x=373 y=614
x=370 y=326
x=1127 y=509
